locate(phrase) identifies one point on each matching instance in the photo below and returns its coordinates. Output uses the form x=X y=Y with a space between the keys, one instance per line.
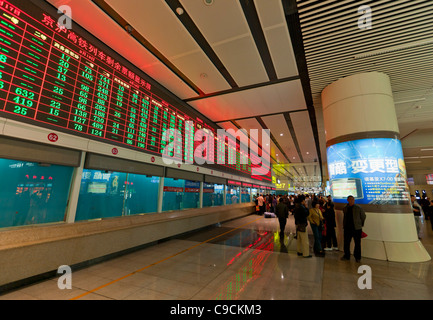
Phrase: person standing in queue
x=417 y=212
x=282 y=213
x=301 y=213
x=353 y=221
x=329 y=215
x=316 y=223
x=261 y=204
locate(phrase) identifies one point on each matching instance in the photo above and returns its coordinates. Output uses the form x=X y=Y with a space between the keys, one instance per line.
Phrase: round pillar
x=365 y=159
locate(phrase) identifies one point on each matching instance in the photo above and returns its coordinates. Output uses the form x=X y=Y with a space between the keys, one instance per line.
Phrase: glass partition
x=113 y=194
x=101 y=195
x=33 y=193
x=245 y=194
x=213 y=195
x=141 y=194
x=232 y=195
x=180 y=194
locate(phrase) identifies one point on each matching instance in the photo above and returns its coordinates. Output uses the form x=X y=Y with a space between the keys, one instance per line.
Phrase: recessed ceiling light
x=308 y=153
x=208 y=2
x=179 y=11
x=281 y=134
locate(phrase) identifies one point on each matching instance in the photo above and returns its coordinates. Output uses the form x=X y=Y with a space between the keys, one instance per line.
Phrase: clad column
x=365 y=159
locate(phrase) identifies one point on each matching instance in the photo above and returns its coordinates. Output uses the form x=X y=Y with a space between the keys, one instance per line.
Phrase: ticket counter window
x=101 y=195
x=180 y=194
x=141 y=194
x=113 y=194
x=213 y=195
x=32 y=193
x=232 y=195
x=245 y=194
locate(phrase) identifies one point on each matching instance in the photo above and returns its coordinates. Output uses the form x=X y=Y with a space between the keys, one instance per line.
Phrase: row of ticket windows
x=33 y=193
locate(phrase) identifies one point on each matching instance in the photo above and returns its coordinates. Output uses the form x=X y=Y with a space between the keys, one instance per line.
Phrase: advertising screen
x=371 y=170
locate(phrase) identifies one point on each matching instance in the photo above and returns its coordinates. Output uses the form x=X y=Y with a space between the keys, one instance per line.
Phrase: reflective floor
x=242 y=259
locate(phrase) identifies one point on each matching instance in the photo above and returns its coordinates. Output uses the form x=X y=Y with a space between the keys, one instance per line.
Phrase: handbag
x=323 y=224
x=301 y=227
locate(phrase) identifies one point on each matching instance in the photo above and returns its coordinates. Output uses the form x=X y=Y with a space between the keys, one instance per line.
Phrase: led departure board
x=54 y=76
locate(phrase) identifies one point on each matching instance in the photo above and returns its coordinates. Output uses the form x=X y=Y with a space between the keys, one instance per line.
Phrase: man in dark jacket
x=353 y=221
x=282 y=212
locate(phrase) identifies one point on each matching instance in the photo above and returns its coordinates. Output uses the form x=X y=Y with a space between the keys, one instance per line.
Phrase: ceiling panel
x=281 y=50
x=219 y=22
x=250 y=124
x=277 y=36
x=230 y=38
x=173 y=41
x=95 y=21
x=160 y=26
x=242 y=60
x=304 y=134
x=197 y=67
x=280 y=97
x=278 y=126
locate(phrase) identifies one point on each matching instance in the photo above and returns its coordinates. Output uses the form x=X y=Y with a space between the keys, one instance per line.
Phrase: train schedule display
x=57 y=77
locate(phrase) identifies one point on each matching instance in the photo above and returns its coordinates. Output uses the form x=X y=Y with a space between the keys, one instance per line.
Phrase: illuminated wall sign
x=65 y=79
x=280 y=185
x=372 y=170
x=234 y=183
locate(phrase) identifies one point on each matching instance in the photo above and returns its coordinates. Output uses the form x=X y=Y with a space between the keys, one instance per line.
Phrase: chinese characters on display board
x=57 y=77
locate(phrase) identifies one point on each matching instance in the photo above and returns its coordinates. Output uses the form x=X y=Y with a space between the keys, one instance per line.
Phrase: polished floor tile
x=243 y=259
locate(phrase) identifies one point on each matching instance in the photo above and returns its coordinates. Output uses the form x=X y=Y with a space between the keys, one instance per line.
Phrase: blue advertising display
x=371 y=170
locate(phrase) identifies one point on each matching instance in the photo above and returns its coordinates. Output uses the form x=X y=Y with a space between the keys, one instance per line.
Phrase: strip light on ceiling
x=409 y=101
x=394 y=48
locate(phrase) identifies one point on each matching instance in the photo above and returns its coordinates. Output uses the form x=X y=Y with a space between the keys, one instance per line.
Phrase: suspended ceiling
x=399 y=43
x=262 y=64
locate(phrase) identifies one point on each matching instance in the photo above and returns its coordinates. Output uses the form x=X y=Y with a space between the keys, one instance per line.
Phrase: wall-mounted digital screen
x=343 y=187
x=371 y=170
x=63 y=78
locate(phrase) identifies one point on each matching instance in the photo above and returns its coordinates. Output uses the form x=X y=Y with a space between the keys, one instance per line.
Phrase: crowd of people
x=318 y=211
